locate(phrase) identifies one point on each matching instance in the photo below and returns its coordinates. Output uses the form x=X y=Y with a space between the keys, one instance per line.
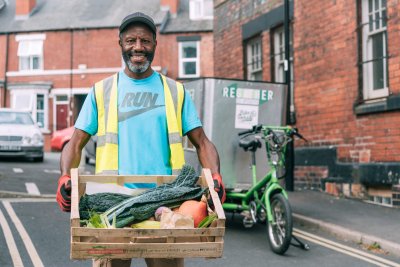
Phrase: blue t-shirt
x=142 y=124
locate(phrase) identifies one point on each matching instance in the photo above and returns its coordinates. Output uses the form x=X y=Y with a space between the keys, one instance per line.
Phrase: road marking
x=12 y=247
x=344 y=249
x=32 y=189
x=37 y=262
x=18 y=170
x=33 y=200
x=52 y=171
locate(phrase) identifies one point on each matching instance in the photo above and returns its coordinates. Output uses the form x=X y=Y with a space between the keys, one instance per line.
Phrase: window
x=201 y=9
x=280 y=64
x=30 y=52
x=189 y=59
x=254 y=59
x=40 y=109
x=374 y=49
x=34 y=101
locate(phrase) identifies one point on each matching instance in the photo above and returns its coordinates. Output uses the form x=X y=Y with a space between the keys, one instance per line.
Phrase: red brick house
x=345 y=62
x=52 y=52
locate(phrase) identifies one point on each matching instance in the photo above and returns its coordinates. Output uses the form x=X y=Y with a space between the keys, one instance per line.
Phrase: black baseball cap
x=138 y=17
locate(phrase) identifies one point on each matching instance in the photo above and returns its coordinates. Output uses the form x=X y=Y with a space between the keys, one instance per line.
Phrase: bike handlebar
x=257 y=128
x=254 y=129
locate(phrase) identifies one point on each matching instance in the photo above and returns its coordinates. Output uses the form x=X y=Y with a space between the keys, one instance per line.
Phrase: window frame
x=278 y=37
x=197 y=10
x=29 y=41
x=249 y=45
x=182 y=60
x=368 y=90
x=33 y=105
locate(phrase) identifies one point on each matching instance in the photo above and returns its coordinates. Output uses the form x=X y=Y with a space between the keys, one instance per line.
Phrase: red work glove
x=64 y=193
x=219 y=187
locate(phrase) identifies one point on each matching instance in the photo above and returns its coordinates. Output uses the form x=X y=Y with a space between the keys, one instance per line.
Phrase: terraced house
x=53 y=51
x=345 y=62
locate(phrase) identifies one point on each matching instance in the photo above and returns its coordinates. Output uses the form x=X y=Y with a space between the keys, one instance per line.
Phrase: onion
x=159 y=211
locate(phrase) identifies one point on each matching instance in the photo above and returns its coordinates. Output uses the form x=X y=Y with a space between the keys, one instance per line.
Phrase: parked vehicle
x=61 y=138
x=20 y=136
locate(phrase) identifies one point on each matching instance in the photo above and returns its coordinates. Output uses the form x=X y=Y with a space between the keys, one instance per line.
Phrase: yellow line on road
x=37 y=262
x=344 y=249
x=12 y=247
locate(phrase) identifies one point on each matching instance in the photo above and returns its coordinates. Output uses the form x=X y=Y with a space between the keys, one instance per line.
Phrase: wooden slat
x=126 y=232
x=74 y=197
x=89 y=243
x=147 y=250
x=126 y=179
x=217 y=203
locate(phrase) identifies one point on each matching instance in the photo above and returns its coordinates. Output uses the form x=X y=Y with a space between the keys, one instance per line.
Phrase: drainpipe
x=289 y=179
x=5 y=71
x=71 y=78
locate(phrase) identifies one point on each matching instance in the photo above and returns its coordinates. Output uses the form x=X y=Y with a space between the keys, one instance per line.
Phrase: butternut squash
x=196 y=209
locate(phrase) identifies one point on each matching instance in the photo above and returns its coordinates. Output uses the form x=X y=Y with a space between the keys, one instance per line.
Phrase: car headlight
x=26 y=140
x=36 y=139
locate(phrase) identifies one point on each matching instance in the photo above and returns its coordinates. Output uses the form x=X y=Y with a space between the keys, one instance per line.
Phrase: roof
x=183 y=23
x=77 y=14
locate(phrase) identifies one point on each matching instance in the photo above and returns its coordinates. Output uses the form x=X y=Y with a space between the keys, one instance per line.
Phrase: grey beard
x=138 y=69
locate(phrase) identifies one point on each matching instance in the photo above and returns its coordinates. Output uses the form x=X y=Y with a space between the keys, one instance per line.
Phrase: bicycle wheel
x=280 y=232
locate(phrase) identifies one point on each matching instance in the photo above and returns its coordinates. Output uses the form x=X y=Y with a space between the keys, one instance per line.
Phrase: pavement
x=348 y=219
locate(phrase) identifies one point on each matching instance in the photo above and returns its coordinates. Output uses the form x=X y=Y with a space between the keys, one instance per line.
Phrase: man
x=139 y=117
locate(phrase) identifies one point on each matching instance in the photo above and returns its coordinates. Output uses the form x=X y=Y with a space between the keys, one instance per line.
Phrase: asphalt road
x=41 y=237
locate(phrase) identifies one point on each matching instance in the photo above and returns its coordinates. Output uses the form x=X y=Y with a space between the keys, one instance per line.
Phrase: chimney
x=24 y=8
x=171 y=5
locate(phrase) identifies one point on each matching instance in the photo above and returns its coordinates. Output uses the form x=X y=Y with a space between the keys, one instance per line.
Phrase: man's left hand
x=219 y=187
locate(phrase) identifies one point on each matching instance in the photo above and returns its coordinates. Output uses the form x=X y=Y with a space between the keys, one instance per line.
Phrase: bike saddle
x=251 y=144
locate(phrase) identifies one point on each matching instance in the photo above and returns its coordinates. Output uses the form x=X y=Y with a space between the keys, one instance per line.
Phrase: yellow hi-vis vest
x=107 y=132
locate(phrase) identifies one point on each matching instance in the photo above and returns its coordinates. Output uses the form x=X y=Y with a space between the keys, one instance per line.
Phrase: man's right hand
x=64 y=193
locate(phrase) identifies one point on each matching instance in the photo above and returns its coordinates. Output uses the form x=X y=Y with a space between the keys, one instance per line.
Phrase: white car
x=20 y=136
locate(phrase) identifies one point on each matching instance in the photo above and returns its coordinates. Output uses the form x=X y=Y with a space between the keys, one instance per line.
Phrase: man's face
x=138 y=46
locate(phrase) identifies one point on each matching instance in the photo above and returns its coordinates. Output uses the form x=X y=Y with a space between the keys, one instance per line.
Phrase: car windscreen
x=15 y=118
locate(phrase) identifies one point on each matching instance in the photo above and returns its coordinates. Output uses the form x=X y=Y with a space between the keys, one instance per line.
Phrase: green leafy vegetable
x=207 y=221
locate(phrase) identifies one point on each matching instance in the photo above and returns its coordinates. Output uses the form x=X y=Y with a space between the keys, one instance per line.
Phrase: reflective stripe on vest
x=107 y=132
x=107 y=142
x=173 y=95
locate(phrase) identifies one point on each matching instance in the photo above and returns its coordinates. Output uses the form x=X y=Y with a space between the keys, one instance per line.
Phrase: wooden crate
x=123 y=243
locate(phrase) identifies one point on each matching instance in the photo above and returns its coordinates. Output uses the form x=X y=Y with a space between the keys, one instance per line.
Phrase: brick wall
x=393 y=25
x=310 y=177
x=168 y=49
x=228 y=50
x=326 y=87
x=326 y=83
x=100 y=49
x=3 y=45
x=94 y=48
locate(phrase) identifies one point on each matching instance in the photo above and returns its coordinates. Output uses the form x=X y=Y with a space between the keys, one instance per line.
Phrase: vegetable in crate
x=196 y=209
x=143 y=206
x=99 y=203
